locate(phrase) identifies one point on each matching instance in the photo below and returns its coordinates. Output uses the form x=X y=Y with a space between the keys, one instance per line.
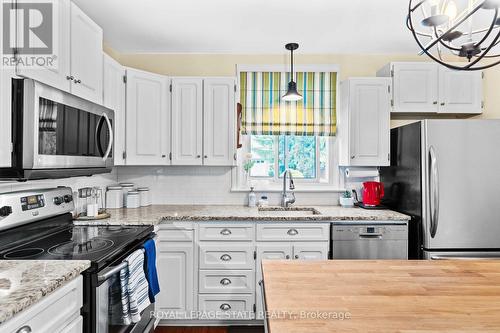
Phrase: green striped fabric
x=265 y=113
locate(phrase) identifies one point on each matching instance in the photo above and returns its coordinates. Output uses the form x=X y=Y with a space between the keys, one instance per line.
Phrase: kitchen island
x=382 y=296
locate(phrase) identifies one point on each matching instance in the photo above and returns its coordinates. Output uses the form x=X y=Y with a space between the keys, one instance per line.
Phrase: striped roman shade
x=265 y=113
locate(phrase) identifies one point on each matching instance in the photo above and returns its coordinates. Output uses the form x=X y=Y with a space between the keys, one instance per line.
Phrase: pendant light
x=292 y=95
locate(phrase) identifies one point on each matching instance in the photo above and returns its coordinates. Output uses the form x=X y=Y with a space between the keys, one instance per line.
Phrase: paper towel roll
x=361 y=173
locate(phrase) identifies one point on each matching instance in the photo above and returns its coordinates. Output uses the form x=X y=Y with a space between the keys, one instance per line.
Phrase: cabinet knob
x=198 y=156
x=70 y=77
x=225 y=232
x=292 y=232
x=353 y=157
x=205 y=156
x=225 y=282
x=287 y=257
x=163 y=156
x=24 y=329
x=78 y=81
x=225 y=307
x=296 y=256
x=435 y=102
x=225 y=257
x=442 y=104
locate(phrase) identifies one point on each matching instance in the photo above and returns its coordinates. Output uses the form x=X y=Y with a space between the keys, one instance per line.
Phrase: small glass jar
x=145 y=196
x=133 y=199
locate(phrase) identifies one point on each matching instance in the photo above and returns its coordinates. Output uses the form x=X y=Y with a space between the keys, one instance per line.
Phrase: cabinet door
x=114 y=98
x=369 y=121
x=57 y=75
x=5 y=106
x=219 y=122
x=310 y=251
x=187 y=113
x=86 y=56
x=176 y=277
x=415 y=87
x=460 y=91
x=148 y=119
x=271 y=251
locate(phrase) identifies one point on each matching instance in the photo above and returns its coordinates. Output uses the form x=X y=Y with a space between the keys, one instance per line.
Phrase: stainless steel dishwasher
x=385 y=240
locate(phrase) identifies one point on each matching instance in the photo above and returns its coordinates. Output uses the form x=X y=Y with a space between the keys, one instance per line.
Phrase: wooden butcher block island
x=382 y=296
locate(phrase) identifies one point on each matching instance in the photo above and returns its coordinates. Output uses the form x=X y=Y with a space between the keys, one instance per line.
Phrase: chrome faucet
x=287 y=200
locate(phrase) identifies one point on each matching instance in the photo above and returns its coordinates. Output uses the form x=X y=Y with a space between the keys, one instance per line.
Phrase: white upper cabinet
x=86 y=56
x=460 y=91
x=218 y=121
x=427 y=87
x=364 y=122
x=148 y=119
x=59 y=75
x=187 y=121
x=114 y=98
x=5 y=106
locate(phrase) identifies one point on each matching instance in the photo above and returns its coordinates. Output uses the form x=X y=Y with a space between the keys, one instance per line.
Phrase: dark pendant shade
x=292 y=95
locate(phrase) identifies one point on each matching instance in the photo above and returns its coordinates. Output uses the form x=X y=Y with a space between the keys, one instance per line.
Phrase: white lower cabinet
x=213 y=269
x=58 y=312
x=176 y=271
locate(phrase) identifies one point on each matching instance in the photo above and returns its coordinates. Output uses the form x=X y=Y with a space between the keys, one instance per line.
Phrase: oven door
x=108 y=306
x=62 y=131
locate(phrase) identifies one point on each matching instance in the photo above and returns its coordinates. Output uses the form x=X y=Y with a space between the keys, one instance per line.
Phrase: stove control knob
x=68 y=198
x=58 y=200
x=5 y=211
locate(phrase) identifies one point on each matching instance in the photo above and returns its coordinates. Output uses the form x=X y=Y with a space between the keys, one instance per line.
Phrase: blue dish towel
x=150 y=269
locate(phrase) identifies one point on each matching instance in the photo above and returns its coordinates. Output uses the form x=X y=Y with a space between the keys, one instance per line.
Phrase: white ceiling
x=253 y=26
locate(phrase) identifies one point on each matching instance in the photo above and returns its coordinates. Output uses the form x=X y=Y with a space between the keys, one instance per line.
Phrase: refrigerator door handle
x=434 y=191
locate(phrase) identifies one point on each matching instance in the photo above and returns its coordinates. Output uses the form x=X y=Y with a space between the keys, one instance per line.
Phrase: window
x=305 y=156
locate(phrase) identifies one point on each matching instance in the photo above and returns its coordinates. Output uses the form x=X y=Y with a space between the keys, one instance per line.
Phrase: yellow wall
x=350 y=65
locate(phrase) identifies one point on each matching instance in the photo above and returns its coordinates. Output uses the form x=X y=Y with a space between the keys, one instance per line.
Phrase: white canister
x=126 y=187
x=145 y=196
x=114 y=197
x=133 y=199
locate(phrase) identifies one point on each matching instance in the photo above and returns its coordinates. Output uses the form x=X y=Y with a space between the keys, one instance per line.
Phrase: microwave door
x=66 y=130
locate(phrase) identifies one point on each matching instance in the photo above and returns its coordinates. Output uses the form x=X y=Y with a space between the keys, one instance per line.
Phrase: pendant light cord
x=291 y=75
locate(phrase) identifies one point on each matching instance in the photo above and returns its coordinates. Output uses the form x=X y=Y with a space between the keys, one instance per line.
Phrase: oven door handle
x=107 y=273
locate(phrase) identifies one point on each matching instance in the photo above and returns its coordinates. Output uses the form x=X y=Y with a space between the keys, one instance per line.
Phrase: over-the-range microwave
x=56 y=134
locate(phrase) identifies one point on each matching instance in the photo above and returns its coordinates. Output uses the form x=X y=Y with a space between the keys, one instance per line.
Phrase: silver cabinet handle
x=296 y=256
x=225 y=282
x=434 y=191
x=287 y=257
x=24 y=329
x=225 y=232
x=225 y=307
x=292 y=232
x=225 y=257
x=463 y=258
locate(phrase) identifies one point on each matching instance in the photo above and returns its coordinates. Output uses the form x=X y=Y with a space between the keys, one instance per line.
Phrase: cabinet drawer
x=226 y=256
x=175 y=234
x=234 y=232
x=53 y=313
x=223 y=307
x=293 y=232
x=227 y=282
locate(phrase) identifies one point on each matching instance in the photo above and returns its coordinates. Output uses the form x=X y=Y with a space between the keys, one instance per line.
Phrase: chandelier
x=458 y=34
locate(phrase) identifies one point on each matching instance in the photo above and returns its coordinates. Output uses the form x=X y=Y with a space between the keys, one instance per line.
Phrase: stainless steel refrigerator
x=446 y=175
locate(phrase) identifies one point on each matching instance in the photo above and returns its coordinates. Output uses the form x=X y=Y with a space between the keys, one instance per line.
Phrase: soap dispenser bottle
x=252 y=198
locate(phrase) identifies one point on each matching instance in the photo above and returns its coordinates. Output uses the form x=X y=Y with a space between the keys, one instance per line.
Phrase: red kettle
x=373 y=192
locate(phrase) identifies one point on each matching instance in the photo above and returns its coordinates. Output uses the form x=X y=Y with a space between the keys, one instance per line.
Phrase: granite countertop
x=161 y=214
x=25 y=282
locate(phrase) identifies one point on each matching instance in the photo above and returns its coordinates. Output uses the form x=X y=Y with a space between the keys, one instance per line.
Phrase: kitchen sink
x=288 y=211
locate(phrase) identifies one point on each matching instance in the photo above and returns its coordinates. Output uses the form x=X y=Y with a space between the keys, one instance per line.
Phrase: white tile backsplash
x=203 y=185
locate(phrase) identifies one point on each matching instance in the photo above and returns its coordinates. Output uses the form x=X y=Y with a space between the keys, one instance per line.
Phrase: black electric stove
x=38 y=225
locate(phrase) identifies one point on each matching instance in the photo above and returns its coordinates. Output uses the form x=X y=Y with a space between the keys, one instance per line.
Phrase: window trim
x=334 y=181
